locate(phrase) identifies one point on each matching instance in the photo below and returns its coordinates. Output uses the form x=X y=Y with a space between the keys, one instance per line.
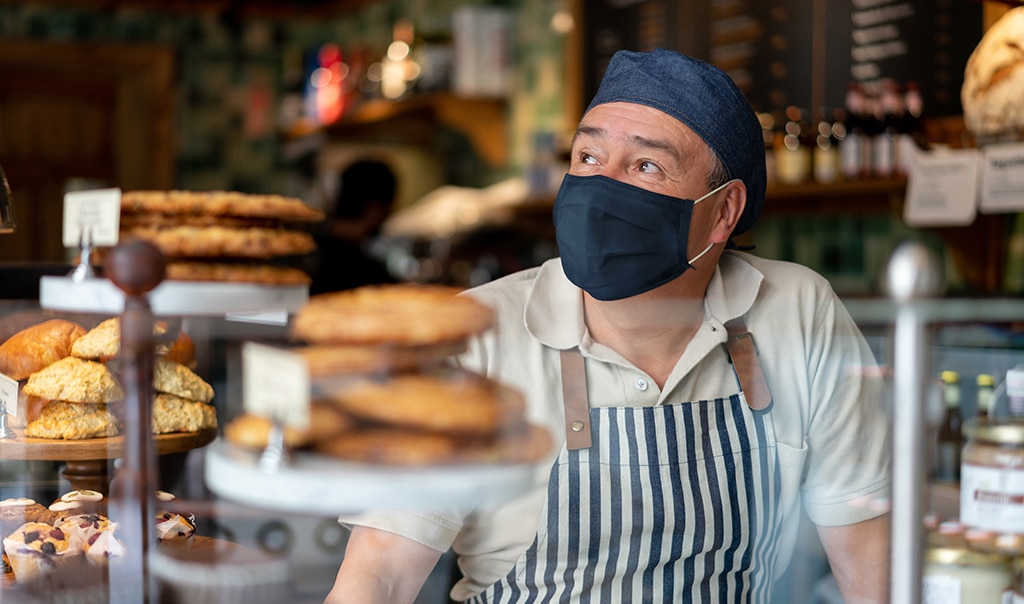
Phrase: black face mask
x=617 y=240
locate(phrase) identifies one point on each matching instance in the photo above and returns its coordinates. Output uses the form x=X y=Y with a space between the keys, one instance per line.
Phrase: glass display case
x=275 y=519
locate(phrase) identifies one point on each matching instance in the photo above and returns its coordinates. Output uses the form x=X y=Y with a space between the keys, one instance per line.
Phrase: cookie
x=174 y=414
x=327 y=360
x=174 y=378
x=219 y=203
x=74 y=380
x=402 y=314
x=73 y=421
x=463 y=404
x=263 y=274
x=160 y=221
x=217 y=241
x=250 y=431
x=392 y=446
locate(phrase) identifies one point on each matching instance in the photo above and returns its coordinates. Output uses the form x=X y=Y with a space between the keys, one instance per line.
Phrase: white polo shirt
x=830 y=420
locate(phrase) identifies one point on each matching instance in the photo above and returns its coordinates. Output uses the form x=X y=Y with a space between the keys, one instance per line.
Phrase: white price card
x=92 y=216
x=1002 y=178
x=942 y=189
x=275 y=384
x=9 y=395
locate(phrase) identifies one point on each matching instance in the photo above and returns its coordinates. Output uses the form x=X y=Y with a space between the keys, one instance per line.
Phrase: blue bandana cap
x=705 y=99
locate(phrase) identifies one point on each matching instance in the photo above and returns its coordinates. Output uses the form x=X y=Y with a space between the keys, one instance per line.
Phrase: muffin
x=37 y=548
x=103 y=547
x=82 y=527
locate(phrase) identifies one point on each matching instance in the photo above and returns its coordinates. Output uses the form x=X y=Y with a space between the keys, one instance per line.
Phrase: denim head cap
x=705 y=99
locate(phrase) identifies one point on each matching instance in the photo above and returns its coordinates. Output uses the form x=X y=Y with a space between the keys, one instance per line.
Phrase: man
x=682 y=477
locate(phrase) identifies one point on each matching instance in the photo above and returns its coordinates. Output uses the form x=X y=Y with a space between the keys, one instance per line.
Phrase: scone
x=175 y=414
x=325 y=422
x=174 y=378
x=73 y=421
x=36 y=549
x=75 y=380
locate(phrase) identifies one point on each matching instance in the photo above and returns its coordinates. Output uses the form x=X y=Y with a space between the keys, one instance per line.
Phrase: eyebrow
x=641 y=141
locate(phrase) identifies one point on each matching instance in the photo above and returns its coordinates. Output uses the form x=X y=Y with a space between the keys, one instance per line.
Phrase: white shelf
x=181 y=298
x=314 y=484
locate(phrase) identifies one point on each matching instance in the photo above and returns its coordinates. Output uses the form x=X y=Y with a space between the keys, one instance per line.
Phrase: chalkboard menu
x=798 y=52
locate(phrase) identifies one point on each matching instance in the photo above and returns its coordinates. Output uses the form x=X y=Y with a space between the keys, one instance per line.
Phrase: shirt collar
x=554 y=308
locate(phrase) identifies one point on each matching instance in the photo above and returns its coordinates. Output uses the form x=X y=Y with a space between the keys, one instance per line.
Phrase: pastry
x=402 y=314
x=170 y=525
x=103 y=342
x=38 y=346
x=79 y=501
x=526 y=443
x=463 y=404
x=263 y=274
x=35 y=549
x=15 y=512
x=75 y=380
x=103 y=547
x=73 y=421
x=83 y=527
x=175 y=414
x=218 y=241
x=325 y=421
x=220 y=204
x=326 y=360
x=174 y=378
x=994 y=80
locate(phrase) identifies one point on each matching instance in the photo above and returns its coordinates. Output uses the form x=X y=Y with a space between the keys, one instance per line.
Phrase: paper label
x=992 y=498
x=940 y=589
x=93 y=216
x=942 y=188
x=1002 y=178
x=9 y=395
x=275 y=384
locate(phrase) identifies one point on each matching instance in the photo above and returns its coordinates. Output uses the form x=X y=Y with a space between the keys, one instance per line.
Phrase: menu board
x=798 y=52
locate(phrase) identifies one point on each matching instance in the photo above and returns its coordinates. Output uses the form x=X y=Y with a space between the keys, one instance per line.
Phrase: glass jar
x=992 y=480
x=953 y=573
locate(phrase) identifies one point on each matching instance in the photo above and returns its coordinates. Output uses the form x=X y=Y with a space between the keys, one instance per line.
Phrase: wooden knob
x=136 y=266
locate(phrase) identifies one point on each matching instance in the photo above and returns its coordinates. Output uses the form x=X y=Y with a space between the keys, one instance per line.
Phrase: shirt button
x=641 y=384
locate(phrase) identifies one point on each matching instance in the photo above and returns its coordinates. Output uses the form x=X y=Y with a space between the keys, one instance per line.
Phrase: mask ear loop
x=702 y=198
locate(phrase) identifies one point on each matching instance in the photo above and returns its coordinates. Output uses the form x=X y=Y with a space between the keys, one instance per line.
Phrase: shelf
x=416 y=119
x=840 y=197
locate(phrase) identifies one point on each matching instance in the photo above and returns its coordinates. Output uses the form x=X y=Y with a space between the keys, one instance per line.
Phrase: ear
x=732 y=200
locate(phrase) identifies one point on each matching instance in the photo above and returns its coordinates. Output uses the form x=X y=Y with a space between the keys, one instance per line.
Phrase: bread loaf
x=994 y=80
x=37 y=347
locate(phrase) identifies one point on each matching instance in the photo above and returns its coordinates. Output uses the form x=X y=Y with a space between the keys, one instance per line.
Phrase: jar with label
x=992 y=476
x=955 y=574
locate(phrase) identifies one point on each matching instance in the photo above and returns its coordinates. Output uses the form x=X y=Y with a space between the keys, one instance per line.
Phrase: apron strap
x=574 y=397
x=746 y=364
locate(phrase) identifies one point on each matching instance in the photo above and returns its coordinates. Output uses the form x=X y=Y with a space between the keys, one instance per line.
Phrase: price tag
x=9 y=396
x=275 y=384
x=1002 y=178
x=93 y=215
x=942 y=188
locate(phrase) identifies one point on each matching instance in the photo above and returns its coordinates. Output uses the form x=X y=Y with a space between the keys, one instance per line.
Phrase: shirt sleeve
x=847 y=471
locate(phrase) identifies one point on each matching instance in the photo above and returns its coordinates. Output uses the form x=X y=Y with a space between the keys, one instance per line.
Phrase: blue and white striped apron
x=687 y=512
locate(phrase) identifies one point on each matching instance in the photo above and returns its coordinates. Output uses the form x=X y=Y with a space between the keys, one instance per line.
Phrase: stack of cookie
x=71 y=394
x=378 y=358
x=222 y=236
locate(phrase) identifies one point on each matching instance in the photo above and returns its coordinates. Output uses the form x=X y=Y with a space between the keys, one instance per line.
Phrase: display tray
x=315 y=484
x=182 y=298
x=24 y=448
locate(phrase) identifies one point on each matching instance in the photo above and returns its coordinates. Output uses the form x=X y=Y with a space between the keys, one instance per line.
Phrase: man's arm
x=381 y=567
x=859 y=557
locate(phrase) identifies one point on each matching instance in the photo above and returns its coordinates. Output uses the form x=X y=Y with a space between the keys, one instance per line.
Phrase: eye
x=648 y=166
x=586 y=158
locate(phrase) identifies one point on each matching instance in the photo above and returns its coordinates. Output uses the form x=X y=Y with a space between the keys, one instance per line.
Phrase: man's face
x=644 y=147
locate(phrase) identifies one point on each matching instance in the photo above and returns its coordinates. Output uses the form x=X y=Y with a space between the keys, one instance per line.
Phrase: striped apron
x=674 y=503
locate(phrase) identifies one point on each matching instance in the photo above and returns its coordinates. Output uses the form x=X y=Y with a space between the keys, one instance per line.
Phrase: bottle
x=792 y=153
x=949 y=441
x=767 y=121
x=986 y=389
x=912 y=137
x=853 y=141
x=1015 y=391
x=888 y=112
x=825 y=159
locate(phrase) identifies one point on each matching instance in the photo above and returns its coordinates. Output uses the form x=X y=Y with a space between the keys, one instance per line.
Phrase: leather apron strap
x=574 y=397
x=747 y=366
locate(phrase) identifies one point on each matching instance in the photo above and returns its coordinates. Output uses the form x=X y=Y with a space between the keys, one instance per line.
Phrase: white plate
x=181 y=298
x=314 y=484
